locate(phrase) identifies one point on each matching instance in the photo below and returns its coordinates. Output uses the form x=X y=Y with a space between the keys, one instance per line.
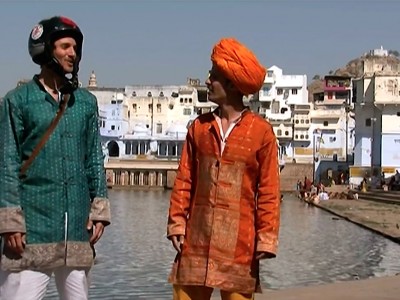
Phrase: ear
x=230 y=86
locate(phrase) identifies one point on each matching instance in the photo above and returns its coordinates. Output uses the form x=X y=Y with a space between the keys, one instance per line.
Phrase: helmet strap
x=71 y=83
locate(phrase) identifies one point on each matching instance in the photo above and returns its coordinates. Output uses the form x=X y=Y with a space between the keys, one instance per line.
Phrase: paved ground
x=385 y=288
x=379 y=217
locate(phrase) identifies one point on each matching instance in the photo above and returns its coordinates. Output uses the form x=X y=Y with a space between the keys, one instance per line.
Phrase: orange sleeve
x=182 y=191
x=268 y=200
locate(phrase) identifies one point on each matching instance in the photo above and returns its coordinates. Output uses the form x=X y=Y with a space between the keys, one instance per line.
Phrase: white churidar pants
x=72 y=284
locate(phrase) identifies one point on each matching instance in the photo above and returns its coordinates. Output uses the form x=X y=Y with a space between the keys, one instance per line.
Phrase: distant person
x=397 y=176
x=363 y=185
x=224 y=207
x=53 y=195
x=320 y=187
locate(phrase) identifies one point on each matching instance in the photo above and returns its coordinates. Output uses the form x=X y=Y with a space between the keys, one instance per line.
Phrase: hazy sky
x=166 y=41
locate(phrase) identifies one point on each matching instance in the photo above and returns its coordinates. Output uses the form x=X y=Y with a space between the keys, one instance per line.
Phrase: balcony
x=302 y=108
x=302 y=123
x=301 y=136
x=277 y=122
x=283 y=132
x=326 y=114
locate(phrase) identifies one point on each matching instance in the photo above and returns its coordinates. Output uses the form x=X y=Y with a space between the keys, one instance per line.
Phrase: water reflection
x=134 y=257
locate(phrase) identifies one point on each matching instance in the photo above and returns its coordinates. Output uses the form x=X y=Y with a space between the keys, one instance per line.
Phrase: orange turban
x=239 y=65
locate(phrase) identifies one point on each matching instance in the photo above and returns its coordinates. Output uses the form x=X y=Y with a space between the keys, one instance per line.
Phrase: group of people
x=310 y=192
x=224 y=207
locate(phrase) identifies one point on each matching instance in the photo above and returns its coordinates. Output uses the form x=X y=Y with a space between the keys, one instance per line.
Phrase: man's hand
x=96 y=229
x=177 y=241
x=264 y=255
x=15 y=241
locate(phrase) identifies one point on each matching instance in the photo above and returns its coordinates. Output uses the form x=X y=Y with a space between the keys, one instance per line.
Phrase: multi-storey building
x=377 y=113
x=148 y=119
x=332 y=127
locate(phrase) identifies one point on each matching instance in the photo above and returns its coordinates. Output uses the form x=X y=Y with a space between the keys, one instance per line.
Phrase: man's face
x=216 y=85
x=65 y=52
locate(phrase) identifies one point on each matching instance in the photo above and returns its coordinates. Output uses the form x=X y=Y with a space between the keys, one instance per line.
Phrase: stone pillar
x=160 y=179
x=141 y=181
x=171 y=175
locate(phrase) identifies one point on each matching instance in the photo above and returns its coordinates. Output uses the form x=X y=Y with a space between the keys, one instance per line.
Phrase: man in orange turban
x=224 y=207
x=239 y=65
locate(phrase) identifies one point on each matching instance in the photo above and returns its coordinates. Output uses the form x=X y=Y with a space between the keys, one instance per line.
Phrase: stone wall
x=293 y=172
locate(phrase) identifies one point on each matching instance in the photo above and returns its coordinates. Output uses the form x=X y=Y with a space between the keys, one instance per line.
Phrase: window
x=150 y=108
x=279 y=132
x=159 y=128
x=158 y=107
x=112 y=127
x=133 y=94
x=149 y=94
x=187 y=111
x=134 y=107
x=368 y=122
x=270 y=73
x=190 y=100
x=330 y=95
x=128 y=148
x=294 y=91
x=326 y=123
x=161 y=94
x=181 y=100
x=286 y=133
x=279 y=91
x=275 y=107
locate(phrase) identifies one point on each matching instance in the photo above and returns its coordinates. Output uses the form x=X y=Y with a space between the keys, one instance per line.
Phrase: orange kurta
x=227 y=206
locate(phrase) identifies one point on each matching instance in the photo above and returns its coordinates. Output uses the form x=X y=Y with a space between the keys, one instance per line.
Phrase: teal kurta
x=64 y=186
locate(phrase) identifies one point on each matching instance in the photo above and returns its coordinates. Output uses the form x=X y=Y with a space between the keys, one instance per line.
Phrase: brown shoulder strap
x=26 y=164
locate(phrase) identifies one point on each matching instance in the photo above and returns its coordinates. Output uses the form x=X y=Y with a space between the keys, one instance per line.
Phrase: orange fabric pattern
x=239 y=64
x=227 y=206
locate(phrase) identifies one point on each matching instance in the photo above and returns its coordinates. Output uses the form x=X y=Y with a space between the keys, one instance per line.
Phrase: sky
x=129 y=42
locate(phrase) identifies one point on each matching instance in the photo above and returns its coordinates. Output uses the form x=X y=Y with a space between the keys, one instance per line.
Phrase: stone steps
x=391 y=197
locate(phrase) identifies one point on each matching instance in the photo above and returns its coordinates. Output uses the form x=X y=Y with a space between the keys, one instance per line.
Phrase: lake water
x=134 y=257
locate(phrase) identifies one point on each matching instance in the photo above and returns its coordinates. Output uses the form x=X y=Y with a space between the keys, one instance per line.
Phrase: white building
x=277 y=101
x=148 y=119
x=377 y=112
x=319 y=132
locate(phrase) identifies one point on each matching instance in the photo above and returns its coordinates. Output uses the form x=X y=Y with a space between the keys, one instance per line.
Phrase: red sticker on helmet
x=37 y=32
x=67 y=21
